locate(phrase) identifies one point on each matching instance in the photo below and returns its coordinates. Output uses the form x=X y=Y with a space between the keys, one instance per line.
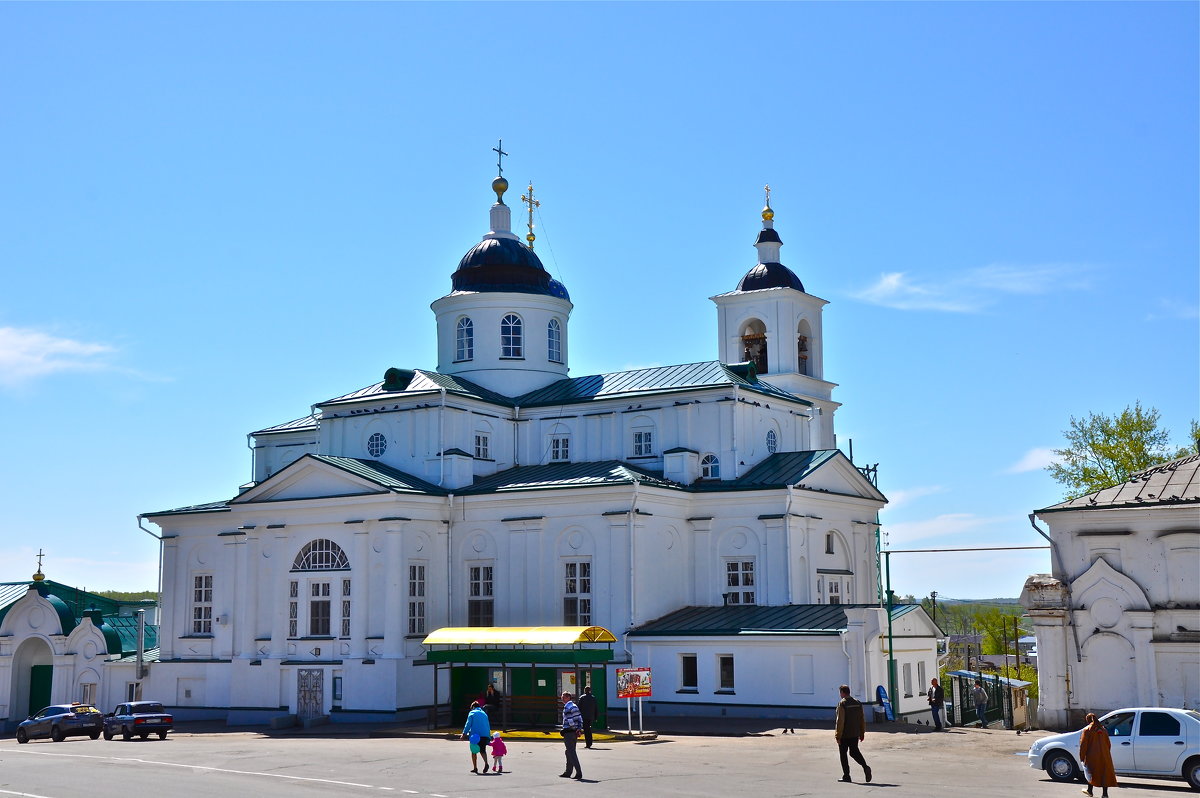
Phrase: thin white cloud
x=1034 y=460
x=903 y=496
x=27 y=355
x=973 y=290
x=1174 y=310
x=947 y=525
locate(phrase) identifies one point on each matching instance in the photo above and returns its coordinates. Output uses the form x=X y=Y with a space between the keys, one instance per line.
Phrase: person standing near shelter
x=980 y=697
x=571 y=726
x=491 y=701
x=479 y=732
x=587 y=708
x=937 y=700
x=850 y=730
x=1096 y=757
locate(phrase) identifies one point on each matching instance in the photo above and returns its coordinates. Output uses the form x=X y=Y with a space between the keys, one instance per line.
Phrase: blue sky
x=214 y=215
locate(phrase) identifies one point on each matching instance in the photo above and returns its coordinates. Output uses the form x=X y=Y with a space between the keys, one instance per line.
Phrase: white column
x=360 y=592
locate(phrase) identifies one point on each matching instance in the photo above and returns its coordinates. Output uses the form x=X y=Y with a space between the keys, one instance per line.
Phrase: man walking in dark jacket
x=937 y=700
x=850 y=730
x=587 y=708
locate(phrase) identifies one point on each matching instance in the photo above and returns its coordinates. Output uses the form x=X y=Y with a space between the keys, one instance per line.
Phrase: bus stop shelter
x=530 y=666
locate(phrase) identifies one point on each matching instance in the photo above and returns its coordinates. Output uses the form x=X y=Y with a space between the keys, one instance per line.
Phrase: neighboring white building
x=60 y=644
x=1118 y=622
x=498 y=491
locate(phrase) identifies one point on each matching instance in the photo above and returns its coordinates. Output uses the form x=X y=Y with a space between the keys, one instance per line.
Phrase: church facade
x=497 y=491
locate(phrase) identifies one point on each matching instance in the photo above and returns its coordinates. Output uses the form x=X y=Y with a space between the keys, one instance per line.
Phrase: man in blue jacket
x=572 y=725
x=479 y=731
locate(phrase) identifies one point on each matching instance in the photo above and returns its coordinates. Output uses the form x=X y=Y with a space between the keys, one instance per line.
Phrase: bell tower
x=772 y=322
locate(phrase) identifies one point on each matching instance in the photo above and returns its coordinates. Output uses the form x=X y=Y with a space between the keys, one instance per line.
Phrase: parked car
x=142 y=718
x=1147 y=742
x=60 y=721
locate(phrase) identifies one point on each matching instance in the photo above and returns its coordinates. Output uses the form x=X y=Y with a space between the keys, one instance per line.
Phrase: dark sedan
x=142 y=718
x=60 y=721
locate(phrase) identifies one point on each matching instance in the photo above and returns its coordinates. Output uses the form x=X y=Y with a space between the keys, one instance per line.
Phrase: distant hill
x=125 y=595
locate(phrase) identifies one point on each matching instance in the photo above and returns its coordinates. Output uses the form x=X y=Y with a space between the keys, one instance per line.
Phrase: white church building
x=702 y=513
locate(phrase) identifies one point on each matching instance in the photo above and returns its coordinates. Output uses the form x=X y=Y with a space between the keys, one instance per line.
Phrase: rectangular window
x=87 y=693
x=560 y=449
x=480 y=610
x=577 y=594
x=687 y=672
x=416 y=599
x=202 y=599
x=643 y=443
x=835 y=591
x=319 y=610
x=725 y=672
x=483 y=447
x=739 y=581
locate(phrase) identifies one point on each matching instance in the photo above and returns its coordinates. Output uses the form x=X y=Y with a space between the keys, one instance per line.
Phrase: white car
x=1146 y=742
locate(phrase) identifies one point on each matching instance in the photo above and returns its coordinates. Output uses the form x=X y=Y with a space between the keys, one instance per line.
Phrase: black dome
x=504 y=264
x=770 y=275
x=767 y=234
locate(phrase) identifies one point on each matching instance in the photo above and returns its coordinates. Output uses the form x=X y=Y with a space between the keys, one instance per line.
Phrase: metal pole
x=891 y=648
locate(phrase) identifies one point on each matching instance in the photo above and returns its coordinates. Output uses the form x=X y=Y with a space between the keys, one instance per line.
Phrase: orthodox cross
x=532 y=203
x=39 y=556
x=767 y=188
x=500 y=153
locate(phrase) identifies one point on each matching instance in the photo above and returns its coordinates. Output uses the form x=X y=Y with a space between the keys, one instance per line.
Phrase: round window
x=772 y=441
x=376 y=444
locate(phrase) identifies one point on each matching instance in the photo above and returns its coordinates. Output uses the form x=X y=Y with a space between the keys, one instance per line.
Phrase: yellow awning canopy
x=518 y=635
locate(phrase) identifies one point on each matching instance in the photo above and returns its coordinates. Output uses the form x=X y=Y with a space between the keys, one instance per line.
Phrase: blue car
x=142 y=718
x=60 y=721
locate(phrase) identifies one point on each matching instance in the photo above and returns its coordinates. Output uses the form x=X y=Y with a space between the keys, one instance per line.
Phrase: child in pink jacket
x=499 y=749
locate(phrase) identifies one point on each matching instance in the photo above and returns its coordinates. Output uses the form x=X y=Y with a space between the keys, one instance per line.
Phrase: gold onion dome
x=767 y=213
x=500 y=185
x=39 y=576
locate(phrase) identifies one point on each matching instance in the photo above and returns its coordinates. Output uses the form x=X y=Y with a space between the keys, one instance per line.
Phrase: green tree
x=1103 y=451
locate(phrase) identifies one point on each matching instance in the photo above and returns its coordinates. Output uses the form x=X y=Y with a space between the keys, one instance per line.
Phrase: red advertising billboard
x=633 y=682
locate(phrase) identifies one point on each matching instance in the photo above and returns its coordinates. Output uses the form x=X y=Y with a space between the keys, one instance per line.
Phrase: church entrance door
x=310 y=693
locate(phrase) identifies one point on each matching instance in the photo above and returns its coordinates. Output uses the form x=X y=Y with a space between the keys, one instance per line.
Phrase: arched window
x=754 y=345
x=511 y=336
x=710 y=467
x=321 y=555
x=803 y=361
x=376 y=444
x=554 y=341
x=772 y=441
x=464 y=343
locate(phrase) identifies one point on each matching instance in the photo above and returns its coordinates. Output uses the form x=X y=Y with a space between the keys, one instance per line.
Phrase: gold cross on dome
x=767 y=188
x=39 y=556
x=532 y=203
x=500 y=153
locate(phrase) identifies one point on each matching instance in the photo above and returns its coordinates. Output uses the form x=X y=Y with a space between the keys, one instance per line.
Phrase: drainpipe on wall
x=449 y=559
x=736 y=470
x=160 y=564
x=787 y=545
x=516 y=436
x=442 y=439
x=632 y=569
x=141 y=645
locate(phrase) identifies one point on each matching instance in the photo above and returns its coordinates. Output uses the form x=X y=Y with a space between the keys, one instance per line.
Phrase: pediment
x=36 y=614
x=309 y=478
x=1104 y=581
x=839 y=475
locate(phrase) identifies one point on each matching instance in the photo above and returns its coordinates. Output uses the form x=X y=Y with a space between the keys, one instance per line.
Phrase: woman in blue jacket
x=478 y=730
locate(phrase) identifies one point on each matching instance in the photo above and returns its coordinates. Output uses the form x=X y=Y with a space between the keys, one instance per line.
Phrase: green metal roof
x=304 y=423
x=575 y=390
x=789 y=619
x=72 y=604
x=567 y=475
x=786 y=468
x=660 y=379
x=383 y=475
